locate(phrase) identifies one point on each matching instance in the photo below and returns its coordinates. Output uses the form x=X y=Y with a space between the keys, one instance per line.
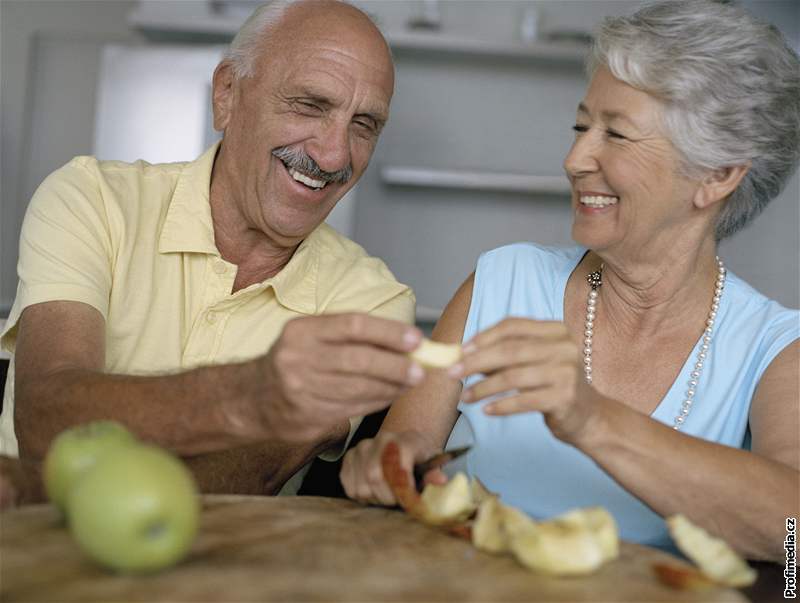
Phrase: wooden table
x=310 y=549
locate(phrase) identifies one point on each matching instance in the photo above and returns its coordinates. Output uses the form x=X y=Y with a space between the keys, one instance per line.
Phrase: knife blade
x=437 y=460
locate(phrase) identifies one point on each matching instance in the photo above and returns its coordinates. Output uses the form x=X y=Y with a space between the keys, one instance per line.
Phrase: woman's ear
x=222 y=95
x=718 y=184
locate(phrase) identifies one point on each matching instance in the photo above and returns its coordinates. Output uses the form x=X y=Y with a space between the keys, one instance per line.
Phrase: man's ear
x=222 y=95
x=717 y=185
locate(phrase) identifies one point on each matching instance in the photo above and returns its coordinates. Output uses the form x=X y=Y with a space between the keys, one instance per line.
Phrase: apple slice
x=573 y=544
x=712 y=555
x=432 y=354
x=488 y=531
x=449 y=503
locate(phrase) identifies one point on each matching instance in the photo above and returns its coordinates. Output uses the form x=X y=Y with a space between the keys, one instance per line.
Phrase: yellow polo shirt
x=136 y=242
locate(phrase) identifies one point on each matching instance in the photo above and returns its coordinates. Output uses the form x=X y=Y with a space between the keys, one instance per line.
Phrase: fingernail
x=411 y=338
x=455 y=370
x=469 y=348
x=415 y=373
x=467 y=396
x=490 y=409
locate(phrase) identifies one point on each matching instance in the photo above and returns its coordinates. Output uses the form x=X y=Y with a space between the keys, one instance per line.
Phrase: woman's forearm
x=735 y=494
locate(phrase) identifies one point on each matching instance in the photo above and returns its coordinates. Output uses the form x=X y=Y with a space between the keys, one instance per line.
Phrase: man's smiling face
x=300 y=132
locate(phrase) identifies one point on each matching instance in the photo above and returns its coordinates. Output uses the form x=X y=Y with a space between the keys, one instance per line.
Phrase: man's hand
x=325 y=369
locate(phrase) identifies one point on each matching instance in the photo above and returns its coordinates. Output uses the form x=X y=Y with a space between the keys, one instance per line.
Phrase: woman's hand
x=362 y=474
x=537 y=365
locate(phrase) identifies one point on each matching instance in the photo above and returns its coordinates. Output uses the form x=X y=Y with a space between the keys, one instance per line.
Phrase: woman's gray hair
x=730 y=86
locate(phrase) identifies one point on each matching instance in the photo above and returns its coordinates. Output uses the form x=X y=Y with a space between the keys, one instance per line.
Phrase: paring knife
x=437 y=460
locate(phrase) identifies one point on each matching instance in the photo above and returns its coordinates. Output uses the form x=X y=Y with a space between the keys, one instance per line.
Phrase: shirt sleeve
x=65 y=248
x=400 y=307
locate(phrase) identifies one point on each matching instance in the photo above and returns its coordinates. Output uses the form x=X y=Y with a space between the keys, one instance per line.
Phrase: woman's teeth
x=599 y=200
x=307 y=180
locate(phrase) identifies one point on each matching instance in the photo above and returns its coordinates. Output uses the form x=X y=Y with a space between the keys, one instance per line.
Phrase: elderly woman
x=634 y=371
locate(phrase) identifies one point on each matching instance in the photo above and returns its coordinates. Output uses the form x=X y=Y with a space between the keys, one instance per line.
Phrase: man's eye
x=366 y=126
x=580 y=128
x=309 y=107
x=617 y=135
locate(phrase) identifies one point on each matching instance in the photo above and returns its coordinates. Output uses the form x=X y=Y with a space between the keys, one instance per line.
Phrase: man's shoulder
x=110 y=179
x=345 y=266
x=124 y=192
x=140 y=167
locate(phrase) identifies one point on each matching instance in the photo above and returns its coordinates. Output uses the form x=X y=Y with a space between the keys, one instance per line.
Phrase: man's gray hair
x=730 y=86
x=244 y=50
x=246 y=45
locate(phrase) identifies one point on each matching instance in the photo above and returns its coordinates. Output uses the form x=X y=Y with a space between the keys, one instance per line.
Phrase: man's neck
x=257 y=255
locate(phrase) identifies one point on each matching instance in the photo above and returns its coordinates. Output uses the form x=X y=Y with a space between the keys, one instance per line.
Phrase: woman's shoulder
x=522 y=279
x=530 y=256
x=749 y=301
x=755 y=320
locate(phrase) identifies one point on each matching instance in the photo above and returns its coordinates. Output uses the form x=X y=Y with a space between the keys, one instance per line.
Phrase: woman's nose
x=582 y=157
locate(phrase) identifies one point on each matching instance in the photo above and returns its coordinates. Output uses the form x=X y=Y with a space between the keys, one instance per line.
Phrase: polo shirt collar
x=188 y=226
x=295 y=286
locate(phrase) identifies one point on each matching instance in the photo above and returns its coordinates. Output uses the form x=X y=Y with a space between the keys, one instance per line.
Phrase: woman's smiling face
x=627 y=190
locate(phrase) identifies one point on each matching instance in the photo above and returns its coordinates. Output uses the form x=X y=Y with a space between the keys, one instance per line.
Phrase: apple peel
x=682 y=578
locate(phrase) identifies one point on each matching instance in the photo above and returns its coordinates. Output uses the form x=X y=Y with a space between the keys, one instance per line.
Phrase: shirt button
x=211 y=318
x=220 y=267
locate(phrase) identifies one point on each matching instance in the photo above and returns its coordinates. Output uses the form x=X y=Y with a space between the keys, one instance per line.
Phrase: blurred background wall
x=471 y=158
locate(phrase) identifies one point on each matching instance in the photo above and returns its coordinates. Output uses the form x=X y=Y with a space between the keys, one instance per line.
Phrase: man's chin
x=288 y=231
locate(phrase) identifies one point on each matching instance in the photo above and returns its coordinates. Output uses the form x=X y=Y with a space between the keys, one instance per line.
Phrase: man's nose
x=331 y=148
x=582 y=157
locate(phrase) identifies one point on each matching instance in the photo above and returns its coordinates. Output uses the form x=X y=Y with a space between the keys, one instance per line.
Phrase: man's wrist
x=242 y=412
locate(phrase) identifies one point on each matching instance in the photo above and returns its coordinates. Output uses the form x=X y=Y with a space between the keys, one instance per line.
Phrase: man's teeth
x=308 y=181
x=599 y=200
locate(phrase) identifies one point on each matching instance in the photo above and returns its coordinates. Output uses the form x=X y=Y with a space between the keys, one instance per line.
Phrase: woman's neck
x=648 y=298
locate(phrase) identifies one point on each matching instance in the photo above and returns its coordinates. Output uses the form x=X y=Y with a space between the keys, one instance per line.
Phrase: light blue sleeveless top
x=518 y=457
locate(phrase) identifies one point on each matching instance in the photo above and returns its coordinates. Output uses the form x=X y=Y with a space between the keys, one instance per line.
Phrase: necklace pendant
x=595 y=279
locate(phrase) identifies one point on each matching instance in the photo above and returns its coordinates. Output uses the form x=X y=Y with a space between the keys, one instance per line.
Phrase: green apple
x=76 y=450
x=136 y=510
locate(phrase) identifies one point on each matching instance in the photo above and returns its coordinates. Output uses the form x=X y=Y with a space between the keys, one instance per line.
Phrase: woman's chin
x=590 y=238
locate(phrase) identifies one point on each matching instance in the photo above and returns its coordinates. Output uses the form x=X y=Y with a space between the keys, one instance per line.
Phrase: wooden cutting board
x=311 y=549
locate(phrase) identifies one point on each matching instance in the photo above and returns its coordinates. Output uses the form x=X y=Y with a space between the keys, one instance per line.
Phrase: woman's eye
x=617 y=135
x=580 y=128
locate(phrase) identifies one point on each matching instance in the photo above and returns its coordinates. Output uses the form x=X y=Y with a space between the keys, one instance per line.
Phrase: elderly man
x=206 y=305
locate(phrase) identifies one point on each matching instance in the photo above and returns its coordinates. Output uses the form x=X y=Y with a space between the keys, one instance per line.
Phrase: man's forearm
x=198 y=411
x=261 y=468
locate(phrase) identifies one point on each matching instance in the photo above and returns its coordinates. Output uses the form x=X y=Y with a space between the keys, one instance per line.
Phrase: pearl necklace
x=596 y=279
